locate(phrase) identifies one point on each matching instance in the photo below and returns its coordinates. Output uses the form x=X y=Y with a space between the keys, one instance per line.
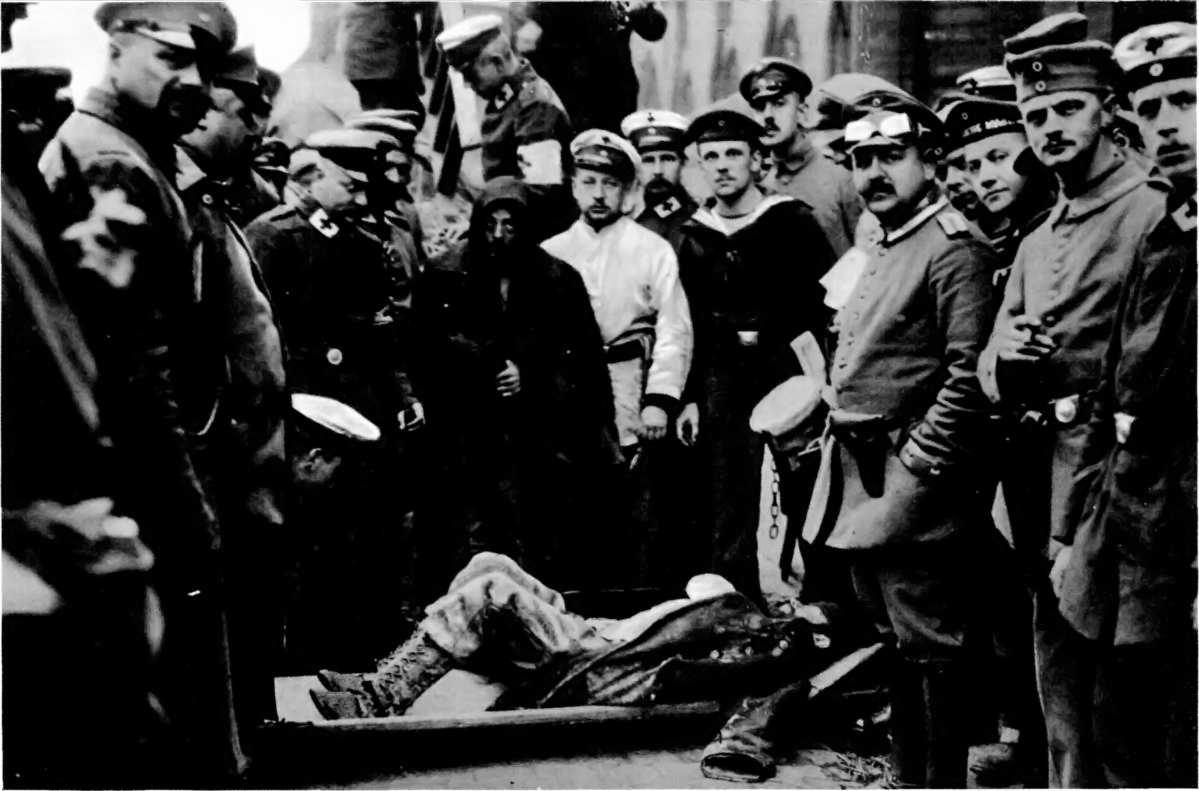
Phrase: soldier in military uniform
x=777 y=90
x=1049 y=342
x=330 y=286
x=899 y=483
x=750 y=303
x=526 y=131
x=1125 y=579
x=236 y=355
x=110 y=169
x=658 y=137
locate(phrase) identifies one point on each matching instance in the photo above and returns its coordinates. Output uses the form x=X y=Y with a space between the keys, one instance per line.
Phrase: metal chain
x=774 y=500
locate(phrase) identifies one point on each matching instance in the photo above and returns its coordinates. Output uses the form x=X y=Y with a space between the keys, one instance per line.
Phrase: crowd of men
x=250 y=426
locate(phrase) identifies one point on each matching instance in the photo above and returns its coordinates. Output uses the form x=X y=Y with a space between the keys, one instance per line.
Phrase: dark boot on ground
x=928 y=740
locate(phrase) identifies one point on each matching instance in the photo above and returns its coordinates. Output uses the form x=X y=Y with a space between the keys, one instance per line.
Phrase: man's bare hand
x=653 y=423
x=1024 y=339
x=1058 y=572
x=507 y=381
x=687 y=426
x=411 y=418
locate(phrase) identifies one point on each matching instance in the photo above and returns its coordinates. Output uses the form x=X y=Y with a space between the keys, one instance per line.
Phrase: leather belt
x=1058 y=413
x=624 y=351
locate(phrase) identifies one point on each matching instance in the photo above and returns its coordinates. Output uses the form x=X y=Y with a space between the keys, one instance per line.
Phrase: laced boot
x=342 y=682
x=405 y=674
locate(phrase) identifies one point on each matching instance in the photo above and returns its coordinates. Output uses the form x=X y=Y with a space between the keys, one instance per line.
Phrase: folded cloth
x=743 y=750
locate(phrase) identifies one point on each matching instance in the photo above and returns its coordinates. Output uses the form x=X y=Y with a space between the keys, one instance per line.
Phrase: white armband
x=540 y=162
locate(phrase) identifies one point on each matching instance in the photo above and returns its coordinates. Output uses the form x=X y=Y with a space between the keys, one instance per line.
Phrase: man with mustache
x=1125 y=577
x=110 y=169
x=901 y=486
x=658 y=137
x=236 y=367
x=777 y=89
x=632 y=276
x=1050 y=339
x=751 y=264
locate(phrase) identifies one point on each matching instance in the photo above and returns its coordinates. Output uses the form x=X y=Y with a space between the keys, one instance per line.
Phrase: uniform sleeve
x=275 y=254
x=673 y=333
x=130 y=322
x=953 y=428
x=1012 y=306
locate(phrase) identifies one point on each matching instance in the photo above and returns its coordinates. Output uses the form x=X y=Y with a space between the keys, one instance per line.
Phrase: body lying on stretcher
x=501 y=623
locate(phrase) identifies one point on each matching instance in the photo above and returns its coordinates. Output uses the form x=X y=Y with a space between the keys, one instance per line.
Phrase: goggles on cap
x=892 y=126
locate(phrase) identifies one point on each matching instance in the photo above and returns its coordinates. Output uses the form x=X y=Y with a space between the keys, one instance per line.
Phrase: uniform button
x=1040 y=86
x=206 y=199
x=334 y=356
x=1049 y=319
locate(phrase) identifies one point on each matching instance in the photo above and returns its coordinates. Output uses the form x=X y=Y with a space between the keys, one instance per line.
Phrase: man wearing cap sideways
x=751 y=264
x=632 y=276
x=110 y=169
x=1126 y=579
x=236 y=357
x=907 y=434
x=1059 y=310
x=777 y=90
x=330 y=286
x=526 y=131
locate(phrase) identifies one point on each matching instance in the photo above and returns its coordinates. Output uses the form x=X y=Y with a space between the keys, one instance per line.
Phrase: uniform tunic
x=667 y=216
x=632 y=278
x=1068 y=272
x=525 y=126
x=136 y=330
x=826 y=187
x=908 y=345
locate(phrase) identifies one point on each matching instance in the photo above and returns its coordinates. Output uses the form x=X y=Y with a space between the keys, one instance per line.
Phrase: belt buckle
x=747 y=337
x=1065 y=410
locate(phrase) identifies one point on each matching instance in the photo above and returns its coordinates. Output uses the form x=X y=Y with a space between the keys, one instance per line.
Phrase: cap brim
x=174 y=38
x=335 y=416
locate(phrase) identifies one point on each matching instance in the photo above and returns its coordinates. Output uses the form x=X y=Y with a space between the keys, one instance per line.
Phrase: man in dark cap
x=777 y=90
x=906 y=437
x=752 y=300
x=236 y=359
x=1016 y=192
x=1050 y=339
x=1127 y=583
x=526 y=131
x=111 y=170
x=511 y=366
x=632 y=276
x=330 y=285
x=951 y=175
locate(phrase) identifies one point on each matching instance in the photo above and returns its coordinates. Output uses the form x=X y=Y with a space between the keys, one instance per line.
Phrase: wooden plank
x=459 y=702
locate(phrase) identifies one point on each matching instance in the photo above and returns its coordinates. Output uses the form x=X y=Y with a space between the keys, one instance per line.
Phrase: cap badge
x=334 y=356
x=1038 y=66
x=1156 y=70
x=1040 y=86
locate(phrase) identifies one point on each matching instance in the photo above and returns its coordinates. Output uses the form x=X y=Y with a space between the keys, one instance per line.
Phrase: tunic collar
x=794 y=163
x=137 y=122
x=922 y=215
x=728 y=227
x=1118 y=181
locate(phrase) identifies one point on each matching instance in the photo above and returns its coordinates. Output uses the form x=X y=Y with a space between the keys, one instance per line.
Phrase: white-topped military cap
x=599 y=149
x=463 y=41
x=649 y=130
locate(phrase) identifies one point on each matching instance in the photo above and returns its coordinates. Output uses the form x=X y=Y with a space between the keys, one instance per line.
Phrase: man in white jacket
x=632 y=277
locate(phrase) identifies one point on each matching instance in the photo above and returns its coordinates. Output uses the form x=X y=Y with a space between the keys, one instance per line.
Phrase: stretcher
x=460 y=700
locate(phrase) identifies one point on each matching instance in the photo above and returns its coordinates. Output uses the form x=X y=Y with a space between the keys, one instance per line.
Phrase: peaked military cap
x=723 y=125
x=1157 y=53
x=832 y=99
x=607 y=152
x=239 y=70
x=183 y=25
x=463 y=41
x=654 y=130
x=1055 y=55
x=976 y=119
x=342 y=419
x=771 y=77
x=869 y=121
x=356 y=151
x=991 y=82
